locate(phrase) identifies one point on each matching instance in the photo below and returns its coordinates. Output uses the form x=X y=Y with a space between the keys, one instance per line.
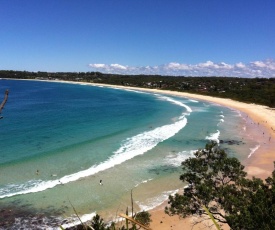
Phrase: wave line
x=130 y=148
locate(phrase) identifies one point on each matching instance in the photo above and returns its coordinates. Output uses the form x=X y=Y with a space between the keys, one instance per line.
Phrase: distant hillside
x=251 y=90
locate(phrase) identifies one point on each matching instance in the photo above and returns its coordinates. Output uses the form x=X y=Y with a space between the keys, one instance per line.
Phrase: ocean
x=58 y=140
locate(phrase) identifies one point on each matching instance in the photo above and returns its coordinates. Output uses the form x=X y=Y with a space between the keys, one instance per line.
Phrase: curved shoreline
x=259 y=164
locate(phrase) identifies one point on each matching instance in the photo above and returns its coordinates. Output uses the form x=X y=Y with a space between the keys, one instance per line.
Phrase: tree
x=98 y=223
x=219 y=183
x=143 y=217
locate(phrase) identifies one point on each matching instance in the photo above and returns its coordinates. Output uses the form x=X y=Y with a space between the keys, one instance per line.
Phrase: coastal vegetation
x=141 y=220
x=250 y=90
x=219 y=183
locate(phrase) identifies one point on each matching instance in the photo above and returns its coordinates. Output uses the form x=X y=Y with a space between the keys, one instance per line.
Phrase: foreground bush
x=219 y=183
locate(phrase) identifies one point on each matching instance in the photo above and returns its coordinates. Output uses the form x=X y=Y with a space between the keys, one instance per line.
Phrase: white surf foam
x=135 y=91
x=143 y=182
x=214 y=136
x=192 y=100
x=174 y=102
x=75 y=221
x=176 y=159
x=153 y=202
x=220 y=122
x=130 y=148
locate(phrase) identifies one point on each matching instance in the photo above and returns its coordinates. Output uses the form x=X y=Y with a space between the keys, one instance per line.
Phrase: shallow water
x=76 y=135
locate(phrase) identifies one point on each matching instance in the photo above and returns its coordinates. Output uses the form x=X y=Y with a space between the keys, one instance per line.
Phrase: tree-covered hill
x=251 y=90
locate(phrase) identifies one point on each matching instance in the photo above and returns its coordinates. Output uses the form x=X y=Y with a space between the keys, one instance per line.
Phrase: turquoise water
x=76 y=135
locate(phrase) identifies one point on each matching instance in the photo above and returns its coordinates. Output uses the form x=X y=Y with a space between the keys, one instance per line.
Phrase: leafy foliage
x=219 y=183
x=143 y=218
x=98 y=223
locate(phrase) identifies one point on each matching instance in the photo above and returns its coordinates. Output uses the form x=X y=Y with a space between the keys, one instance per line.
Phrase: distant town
x=250 y=90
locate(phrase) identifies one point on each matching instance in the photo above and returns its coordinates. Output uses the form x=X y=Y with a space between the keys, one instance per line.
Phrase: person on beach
x=100 y=182
x=37 y=172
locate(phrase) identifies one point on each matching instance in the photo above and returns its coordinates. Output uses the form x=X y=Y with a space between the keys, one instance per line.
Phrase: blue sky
x=175 y=37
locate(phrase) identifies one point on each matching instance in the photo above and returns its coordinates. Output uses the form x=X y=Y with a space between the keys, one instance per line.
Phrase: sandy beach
x=260 y=164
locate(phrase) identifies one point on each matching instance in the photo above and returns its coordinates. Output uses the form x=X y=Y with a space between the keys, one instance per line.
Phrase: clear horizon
x=213 y=38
